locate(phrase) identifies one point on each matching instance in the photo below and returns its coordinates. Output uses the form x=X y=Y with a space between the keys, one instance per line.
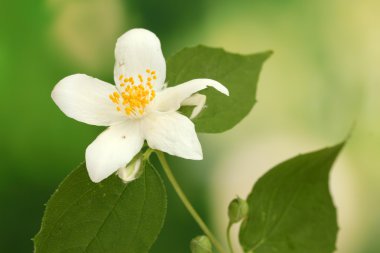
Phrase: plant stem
x=229 y=237
x=147 y=153
x=186 y=202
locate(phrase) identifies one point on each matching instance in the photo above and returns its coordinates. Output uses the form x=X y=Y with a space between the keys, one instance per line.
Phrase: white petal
x=170 y=99
x=196 y=100
x=137 y=51
x=130 y=172
x=172 y=133
x=113 y=149
x=86 y=99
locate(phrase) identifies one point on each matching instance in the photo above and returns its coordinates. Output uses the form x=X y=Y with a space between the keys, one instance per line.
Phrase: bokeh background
x=323 y=79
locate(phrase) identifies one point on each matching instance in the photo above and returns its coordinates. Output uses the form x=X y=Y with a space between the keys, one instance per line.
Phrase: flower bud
x=237 y=210
x=131 y=172
x=201 y=244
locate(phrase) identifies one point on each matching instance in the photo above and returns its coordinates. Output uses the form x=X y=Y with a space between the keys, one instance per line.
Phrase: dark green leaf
x=239 y=73
x=291 y=209
x=110 y=216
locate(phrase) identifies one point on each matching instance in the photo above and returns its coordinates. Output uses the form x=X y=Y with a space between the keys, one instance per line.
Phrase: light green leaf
x=111 y=216
x=290 y=207
x=239 y=73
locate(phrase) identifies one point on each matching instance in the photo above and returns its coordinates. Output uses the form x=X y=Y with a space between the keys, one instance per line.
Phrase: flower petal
x=196 y=100
x=172 y=133
x=130 y=172
x=170 y=99
x=113 y=149
x=138 y=52
x=86 y=99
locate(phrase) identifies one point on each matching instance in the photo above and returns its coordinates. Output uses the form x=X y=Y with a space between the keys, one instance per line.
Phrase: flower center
x=132 y=98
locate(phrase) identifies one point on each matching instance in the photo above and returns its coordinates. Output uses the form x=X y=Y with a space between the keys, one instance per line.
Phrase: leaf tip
x=269 y=53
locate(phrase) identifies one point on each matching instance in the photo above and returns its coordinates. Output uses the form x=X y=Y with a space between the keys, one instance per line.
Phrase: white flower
x=138 y=108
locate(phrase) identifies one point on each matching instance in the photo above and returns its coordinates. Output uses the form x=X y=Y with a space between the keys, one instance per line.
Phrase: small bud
x=201 y=244
x=131 y=172
x=237 y=210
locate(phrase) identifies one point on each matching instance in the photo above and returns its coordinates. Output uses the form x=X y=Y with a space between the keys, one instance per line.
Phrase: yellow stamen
x=133 y=99
x=128 y=110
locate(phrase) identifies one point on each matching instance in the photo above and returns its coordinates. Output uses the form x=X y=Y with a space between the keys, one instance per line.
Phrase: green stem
x=229 y=237
x=186 y=202
x=147 y=153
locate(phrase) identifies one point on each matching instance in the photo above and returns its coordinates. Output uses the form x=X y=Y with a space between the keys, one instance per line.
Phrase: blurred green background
x=323 y=78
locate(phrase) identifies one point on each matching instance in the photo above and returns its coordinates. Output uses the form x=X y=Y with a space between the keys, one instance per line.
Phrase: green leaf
x=239 y=73
x=291 y=209
x=110 y=216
